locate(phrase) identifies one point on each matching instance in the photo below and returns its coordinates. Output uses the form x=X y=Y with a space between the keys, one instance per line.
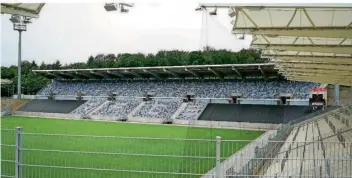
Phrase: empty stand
x=51 y=106
x=320 y=148
x=253 y=113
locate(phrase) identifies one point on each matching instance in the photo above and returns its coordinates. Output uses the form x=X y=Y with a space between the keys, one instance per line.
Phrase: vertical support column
x=337 y=95
x=218 y=157
x=18 y=166
x=19 y=65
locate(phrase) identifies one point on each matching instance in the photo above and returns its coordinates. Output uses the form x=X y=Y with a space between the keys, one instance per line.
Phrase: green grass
x=128 y=153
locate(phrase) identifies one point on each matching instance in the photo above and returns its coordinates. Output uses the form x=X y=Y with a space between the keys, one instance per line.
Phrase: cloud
x=73 y=32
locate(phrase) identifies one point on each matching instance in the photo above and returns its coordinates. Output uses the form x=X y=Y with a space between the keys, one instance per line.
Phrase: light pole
x=20 y=25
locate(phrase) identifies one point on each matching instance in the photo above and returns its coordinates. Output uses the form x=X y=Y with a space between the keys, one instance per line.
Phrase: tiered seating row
x=322 y=148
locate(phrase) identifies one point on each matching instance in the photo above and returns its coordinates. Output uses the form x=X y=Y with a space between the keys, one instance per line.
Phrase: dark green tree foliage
x=32 y=83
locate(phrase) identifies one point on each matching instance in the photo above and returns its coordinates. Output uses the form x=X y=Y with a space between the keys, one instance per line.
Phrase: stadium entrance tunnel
x=273 y=114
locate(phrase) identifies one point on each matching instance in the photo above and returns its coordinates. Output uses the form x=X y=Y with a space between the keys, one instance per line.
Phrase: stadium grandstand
x=290 y=117
x=168 y=93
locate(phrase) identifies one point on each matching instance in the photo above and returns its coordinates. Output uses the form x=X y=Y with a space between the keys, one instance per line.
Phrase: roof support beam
x=133 y=73
x=237 y=72
x=172 y=73
x=316 y=66
x=97 y=74
x=66 y=74
x=319 y=76
x=298 y=59
x=309 y=18
x=345 y=49
x=316 y=75
x=327 y=32
x=45 y=74
x=152 y=73
x=293 y=16
x=316 y=72
x=115 y=73
x=340 y=81
x=349 y=25
x=192 y=72
x=263 y=72
x=56 y=74
x=248 y=17
x=215 y=72
x=82 y=74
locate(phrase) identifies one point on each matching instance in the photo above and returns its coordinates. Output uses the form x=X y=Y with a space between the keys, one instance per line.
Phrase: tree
x=56 y=65
x=33 y=82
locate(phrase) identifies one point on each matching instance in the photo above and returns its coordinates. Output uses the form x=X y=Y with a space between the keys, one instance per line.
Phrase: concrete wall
x=145 y=120
x=259 y=101
x=194 y=123
x=224 y=124
x=345 y=95
x=210 y=100
x=41 y=114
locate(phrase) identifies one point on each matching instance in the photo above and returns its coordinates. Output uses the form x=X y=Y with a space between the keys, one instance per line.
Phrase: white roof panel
x=300 y=53
x=23 y=9
x=292 y=17
x=309 y=41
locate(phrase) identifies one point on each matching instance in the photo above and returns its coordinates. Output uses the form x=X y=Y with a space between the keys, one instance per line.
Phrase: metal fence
x=37 y=155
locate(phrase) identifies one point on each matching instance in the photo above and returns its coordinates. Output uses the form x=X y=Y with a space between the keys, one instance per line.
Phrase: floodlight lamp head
x=123 y=10
x=214 y=12
x=242 y=37
x=199 y=9
x=110 y=7
x=27 y=20
x=232 y=12
x=15 y=19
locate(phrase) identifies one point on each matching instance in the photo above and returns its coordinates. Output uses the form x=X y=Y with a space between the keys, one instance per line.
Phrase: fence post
x=18 y=152
x=218 y=157
x=327 y=164
x=351 y=150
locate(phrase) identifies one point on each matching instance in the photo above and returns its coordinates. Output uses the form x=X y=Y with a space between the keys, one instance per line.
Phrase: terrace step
x=135 y=110
x=179 y=110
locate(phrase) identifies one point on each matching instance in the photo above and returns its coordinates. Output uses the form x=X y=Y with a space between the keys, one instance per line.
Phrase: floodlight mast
x=20 y=25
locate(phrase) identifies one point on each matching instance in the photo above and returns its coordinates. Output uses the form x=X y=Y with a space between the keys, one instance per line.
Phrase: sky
x=71 y=32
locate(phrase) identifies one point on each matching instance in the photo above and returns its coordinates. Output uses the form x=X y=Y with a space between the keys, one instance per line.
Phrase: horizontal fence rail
x=37 y=155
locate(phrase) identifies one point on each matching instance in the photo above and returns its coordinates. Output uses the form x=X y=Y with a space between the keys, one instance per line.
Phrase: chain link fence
x=36 y=155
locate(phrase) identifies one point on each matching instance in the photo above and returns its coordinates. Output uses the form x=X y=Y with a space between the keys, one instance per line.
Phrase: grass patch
x=118 y=154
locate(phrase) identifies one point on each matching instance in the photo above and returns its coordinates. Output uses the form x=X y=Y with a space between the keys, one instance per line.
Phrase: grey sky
x=72 y=32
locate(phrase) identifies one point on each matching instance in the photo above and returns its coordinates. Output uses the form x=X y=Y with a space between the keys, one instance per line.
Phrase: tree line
x=32 y=83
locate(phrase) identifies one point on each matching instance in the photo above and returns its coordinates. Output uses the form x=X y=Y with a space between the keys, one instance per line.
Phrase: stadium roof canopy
x=23 y=9
x=266 y=70
x=308 y=42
